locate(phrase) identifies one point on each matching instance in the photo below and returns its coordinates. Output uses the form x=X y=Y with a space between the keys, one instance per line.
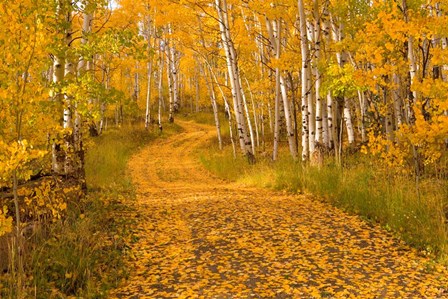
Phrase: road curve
x=201 y=237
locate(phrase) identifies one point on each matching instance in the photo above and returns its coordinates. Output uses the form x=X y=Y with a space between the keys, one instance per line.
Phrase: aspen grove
x=324 y=83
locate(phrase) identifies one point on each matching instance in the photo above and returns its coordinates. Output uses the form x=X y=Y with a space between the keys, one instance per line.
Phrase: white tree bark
x=331 y=120
x=169 y=76
x=363 y=110
x=254 y=112
x=227 y=108
x=316 y=58
x=341 y=59
x=148 y=95
x=248 y=119
x=58 y=155
x=234 y=76
x=160 y=90
x=214 y=103
x=305 y=81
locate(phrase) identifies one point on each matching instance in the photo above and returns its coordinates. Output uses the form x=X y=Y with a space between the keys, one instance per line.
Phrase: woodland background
x=346 y=100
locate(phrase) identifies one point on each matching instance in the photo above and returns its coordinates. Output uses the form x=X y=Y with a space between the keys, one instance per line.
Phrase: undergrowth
x=360 y=187
x=81 y=255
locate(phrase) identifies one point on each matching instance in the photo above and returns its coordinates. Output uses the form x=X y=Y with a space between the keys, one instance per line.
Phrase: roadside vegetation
x=81 y=252
x=360 y=184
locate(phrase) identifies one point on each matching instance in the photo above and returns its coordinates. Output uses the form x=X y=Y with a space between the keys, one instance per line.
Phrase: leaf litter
x=200 y=237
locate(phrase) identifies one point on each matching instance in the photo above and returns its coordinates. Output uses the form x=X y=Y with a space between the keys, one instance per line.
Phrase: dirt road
x=201 y=237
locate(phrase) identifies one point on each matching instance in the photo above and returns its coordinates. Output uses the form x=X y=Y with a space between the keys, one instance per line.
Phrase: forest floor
x=198 y=236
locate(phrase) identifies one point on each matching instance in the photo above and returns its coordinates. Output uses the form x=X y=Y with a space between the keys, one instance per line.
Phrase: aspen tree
x=305 y=81
x=234 y=76
x=160 y=86
x=148 y=35
x=211 y=89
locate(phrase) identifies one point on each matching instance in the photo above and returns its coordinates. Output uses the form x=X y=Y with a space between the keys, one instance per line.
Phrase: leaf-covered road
x=200 y=237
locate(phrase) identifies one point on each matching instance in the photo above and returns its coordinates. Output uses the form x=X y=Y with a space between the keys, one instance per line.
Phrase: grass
x=359 y=187
x=81 y=255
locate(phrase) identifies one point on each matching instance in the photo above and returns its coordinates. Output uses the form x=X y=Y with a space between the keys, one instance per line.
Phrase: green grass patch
x=417 y=216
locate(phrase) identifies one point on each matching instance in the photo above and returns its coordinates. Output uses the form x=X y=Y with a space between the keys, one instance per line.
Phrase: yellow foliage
x=47 y=201
x=14 y=157
x=5 y=222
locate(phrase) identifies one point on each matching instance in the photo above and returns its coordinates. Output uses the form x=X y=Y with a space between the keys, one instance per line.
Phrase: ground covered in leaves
x=201 y=237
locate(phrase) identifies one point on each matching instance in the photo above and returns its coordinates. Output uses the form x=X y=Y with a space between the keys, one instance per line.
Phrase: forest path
x=201 y=237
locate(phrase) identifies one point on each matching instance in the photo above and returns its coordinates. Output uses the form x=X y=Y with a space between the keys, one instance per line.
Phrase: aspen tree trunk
x=148 y=96
x=340 y=56
x=388 y=119
x=211 y=91
x=348 y=122
x=160 y=89
x=412 y=70
x=276 y=114
x=197 y=91
x=444 y=69
x=325 y=129
x=289 y=126
x=57 y=151
x=69 y=74
x=234 y=76
x=248 y=119
x=103 y=104
x=316 y=58
x=275 y=44
x=173 y=71
x=294 y=110
x=363 y=109
x=136 y=94
x=227 y=108
x=175 y=80
x=311 y=96
x=262 y=118
x=331 y=118
x=232 y=139
x=282 y=93
x=58 y=155
x=254 y=112
x=84 y=69
x=150 y=29
x=169 y=76
x=305 y=80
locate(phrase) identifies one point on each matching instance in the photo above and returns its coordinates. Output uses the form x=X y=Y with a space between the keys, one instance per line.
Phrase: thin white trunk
x=160 y=89
x=169 y=76
x=248 y=119
x=363 y=111
x=311 y=114
x=288 y=118
x=348 y=122
x=331 y=120
x=316 y=58
x=325 y=129
x=254 y=112
x=276 y=115
x=229 y=113
x=341 y=59
x=136 y=82
x=412 y=65
x=227 y=108
x=211 y=91
x=173 y=70
x=148 y=96
x=305 y=80
x=58 y=156
x=234 y=76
